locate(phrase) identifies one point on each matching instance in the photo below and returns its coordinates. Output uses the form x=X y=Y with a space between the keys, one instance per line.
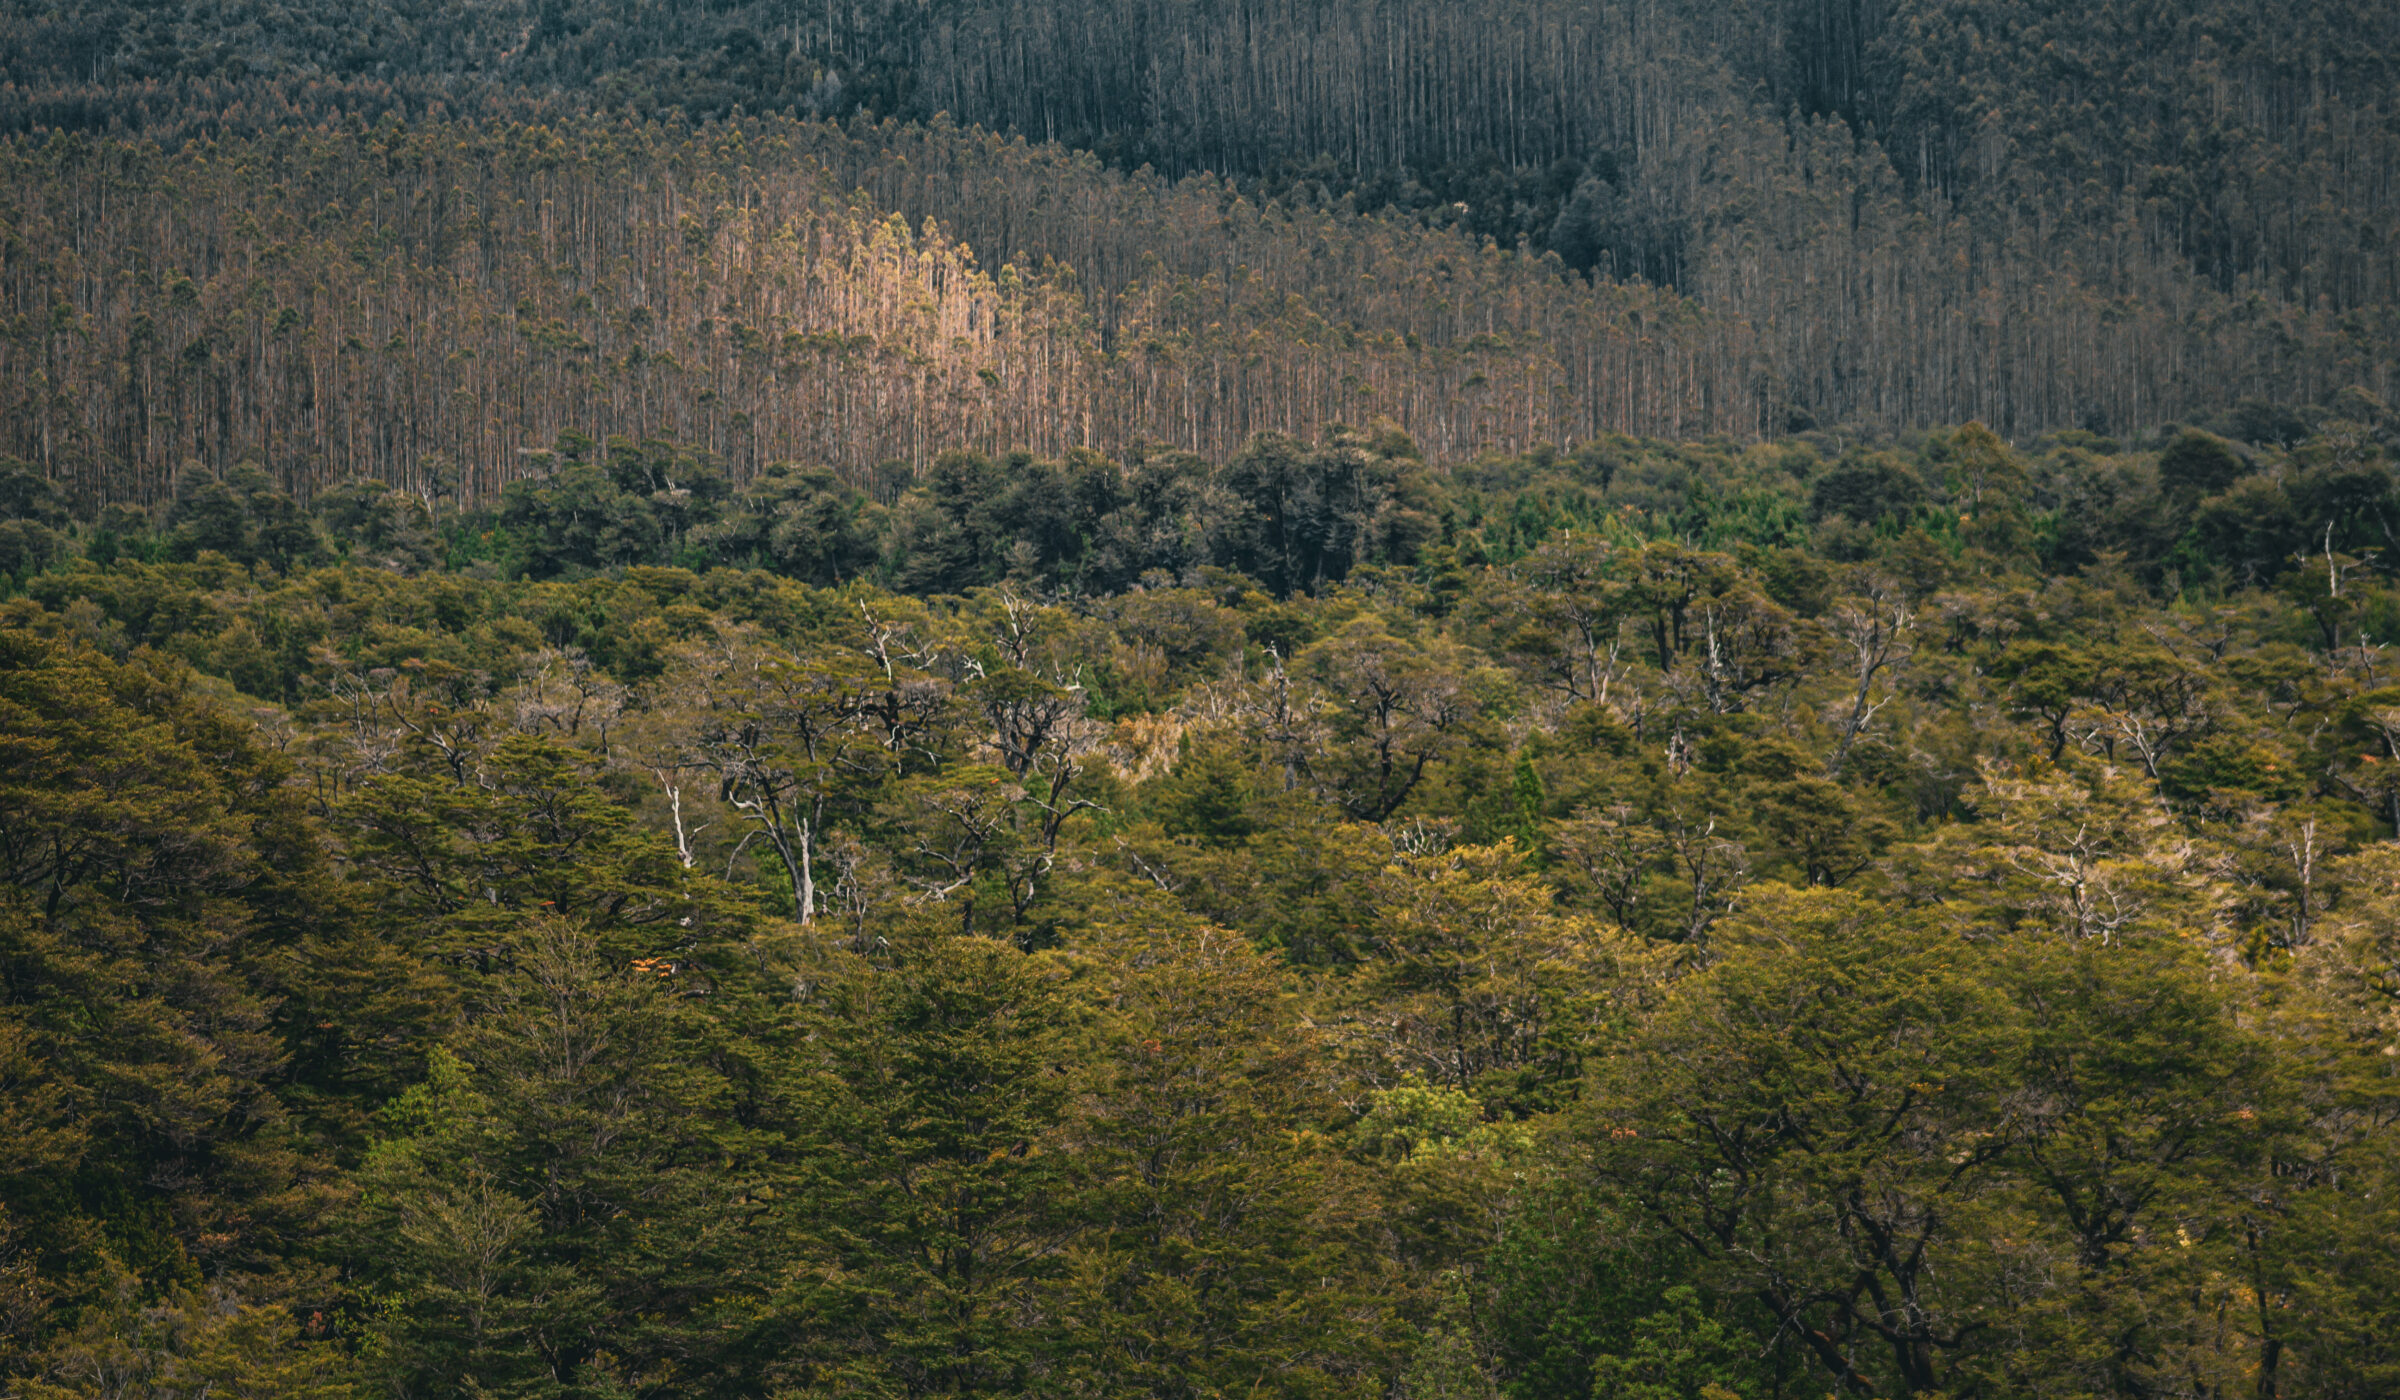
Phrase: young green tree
x=164 y=927
x=1224 y=1245
x=928 y=1228
x=1811 y=1118
x=567 y=1204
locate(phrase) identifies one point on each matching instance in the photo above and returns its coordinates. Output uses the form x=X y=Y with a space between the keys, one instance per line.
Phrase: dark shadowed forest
x=1331 y=699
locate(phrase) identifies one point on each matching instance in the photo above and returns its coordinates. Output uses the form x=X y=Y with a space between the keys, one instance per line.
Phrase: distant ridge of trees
x=398 y=301
x=366 y=302
x=1263 y=215
x=2253 y=141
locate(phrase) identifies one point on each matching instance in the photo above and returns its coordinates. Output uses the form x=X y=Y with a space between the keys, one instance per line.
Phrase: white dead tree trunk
x=1878 y=629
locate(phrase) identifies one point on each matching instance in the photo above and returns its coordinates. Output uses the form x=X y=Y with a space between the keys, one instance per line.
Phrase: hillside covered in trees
x=373 y=234
x=1327 y=699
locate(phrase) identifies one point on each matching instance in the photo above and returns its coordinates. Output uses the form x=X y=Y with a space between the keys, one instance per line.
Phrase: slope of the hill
x=395 y=302
x=2254 y=138
x=366 y=304
x=2035 y=214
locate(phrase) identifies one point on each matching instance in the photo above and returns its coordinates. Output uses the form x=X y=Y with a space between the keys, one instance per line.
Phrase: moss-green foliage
x=1392 y=929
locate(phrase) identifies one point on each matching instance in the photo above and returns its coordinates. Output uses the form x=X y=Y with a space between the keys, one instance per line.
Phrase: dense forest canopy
x=1329 y=699
x=1663 y=920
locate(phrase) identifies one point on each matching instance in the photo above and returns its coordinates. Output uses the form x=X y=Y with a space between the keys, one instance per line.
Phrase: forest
x=341 y=241
x=1664 y=920
x=1330 y=699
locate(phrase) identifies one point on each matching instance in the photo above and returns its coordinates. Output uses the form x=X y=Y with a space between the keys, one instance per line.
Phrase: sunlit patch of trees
x=432 y=306
x=1888 y=214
